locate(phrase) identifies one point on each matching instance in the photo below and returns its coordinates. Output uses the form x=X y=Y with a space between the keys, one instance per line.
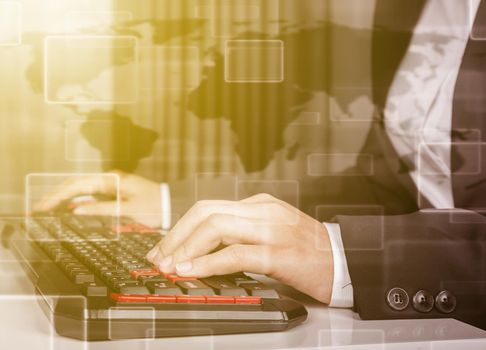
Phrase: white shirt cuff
x=165 y=206
x=342 y=289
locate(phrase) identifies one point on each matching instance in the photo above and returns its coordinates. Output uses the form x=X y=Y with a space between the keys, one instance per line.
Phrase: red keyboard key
x=217 y=299
x=248 y=300
x=137 y=273
x=129 y=298
x=161 y=299
x=191 y=299
x=174 y=278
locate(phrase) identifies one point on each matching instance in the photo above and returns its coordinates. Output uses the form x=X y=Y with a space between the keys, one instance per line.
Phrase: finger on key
x=222 y=229
x=197 y=214
x=235 y=258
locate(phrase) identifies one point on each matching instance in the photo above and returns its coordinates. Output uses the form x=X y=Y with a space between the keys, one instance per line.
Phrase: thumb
x=98 y=208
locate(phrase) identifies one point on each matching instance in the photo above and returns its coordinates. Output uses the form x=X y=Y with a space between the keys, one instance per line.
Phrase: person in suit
x=426 y=256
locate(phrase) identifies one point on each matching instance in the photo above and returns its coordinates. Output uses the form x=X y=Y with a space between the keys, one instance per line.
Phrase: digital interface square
x=79 y=149
x=117 y=326
x=254 y=61
x=95 y=21
x=231 y=17
x=328 y=212
x=430 y=162
x=170 y=67
x=14 y=323
x=42 y=186
x=470 y=216
x=101 y=70
x=10 y=23
x=340 y=164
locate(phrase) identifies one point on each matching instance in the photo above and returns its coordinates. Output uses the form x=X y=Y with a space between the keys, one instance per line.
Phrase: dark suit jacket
x=410 y=249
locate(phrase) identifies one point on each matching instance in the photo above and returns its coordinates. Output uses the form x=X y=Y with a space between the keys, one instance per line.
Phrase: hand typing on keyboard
x=137 y=195
x=262 y=235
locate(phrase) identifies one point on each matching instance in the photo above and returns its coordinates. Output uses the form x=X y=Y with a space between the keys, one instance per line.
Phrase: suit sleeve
x=432 y=254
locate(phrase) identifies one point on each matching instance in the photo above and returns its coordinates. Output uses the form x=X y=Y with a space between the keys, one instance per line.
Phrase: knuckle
x=213 y=220
x=265 y=196
x=237 y=254
x=276 y=208
x=199 y=206
x=184 y=251
x=163 y=249
x=202 y=203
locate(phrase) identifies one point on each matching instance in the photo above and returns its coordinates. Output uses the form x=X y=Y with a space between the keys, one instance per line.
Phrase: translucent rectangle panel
x=328 y=212
x=10 y=23
x=101 y=69
x=254 y=61
x=431 y=158
x=117 y=327
x=54 y=187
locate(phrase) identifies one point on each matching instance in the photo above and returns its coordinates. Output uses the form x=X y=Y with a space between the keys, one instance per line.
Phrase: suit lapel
x=394 y=24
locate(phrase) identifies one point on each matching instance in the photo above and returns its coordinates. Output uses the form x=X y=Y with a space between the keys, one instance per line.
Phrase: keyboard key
x=134 y=290
x=145 y=279
x=83 y=277
x=218 y=299
x=260 y=290
x=224 y=287
x=163 y=288
x=248 y=300
x=191 y=299
x=95 y=290
x=72 y=270
x=175 y=278
x=194 y=288
x=118 y=285
x=128 y=298
x=241 y=278
x=161 y=299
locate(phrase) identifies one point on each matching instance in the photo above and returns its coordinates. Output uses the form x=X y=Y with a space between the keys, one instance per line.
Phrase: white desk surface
x=23 y=325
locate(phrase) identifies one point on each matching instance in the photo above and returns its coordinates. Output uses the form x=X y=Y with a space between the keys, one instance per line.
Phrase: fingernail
x=166 y=262
x=184 y=267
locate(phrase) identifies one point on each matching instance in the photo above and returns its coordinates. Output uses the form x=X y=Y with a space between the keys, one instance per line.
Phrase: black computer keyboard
x=104 y=288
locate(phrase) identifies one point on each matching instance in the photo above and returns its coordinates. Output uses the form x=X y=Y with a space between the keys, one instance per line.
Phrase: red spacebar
x=184 y=299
